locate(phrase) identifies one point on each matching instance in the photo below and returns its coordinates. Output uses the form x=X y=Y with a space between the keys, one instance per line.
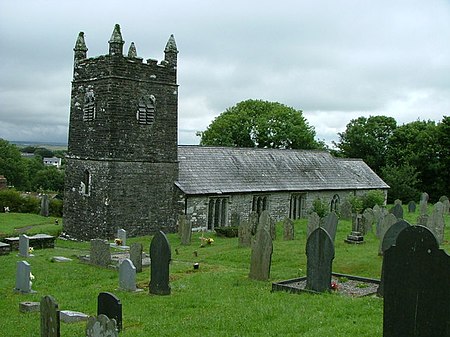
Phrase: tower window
x=89 y=105
x=146 y=110
x=85 y=186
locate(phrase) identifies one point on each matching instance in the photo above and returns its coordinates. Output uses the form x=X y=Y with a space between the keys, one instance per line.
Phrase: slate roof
x=219 y=170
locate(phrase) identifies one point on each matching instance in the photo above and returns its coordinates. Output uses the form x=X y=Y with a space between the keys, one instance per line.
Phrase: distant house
x=3 y=182
x=215 y=182
x=53 y=161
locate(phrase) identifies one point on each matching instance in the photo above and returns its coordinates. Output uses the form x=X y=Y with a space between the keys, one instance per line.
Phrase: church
x=125 y=169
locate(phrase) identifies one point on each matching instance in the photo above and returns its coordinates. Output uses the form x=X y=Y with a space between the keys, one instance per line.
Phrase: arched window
x=259 y=204
x=334 y=206
x=86 y=183
x=297 y=206
x=217 y=212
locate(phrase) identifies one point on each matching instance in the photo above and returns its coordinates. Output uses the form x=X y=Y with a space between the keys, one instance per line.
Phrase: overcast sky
x=334 y=60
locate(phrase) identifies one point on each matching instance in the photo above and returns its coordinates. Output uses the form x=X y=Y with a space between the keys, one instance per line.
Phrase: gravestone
x=389 y=239
x=397 y=202
x=436 y=222
x=288 y=229
x=379 y=215
x=44 y=205
x=122 y=236
x=24 y=246
x=110 y=306
x=424 y=203
x=101 y=326
x=346 y=210
x=160 y=256
x=136 y=250
x=320 y=255
x=244 y=234
x=185 y=227
x=261 y=258
x=387 y=222
x=253 y=220
x=23 y=279
x=313 y=223
x=329 y=223
x=367 y=221
x=4 y=248
x=356 y=236
x=127 y=275
x=266 y=222
x=397 y=210
x=446 y=203
x=412 y=207
x=50 y=321
x=100 y=254
x=416 y=291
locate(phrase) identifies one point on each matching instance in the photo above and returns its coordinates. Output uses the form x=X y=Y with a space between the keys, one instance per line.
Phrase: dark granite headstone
x=50 y=323
x=320 y=255
x=44 y=205
x=261 y=257
x=329 y=223
x=397 y=210
x=416 y=286
x=313 y=223
x=110 y=306
x=160 y=256
x=412 y=207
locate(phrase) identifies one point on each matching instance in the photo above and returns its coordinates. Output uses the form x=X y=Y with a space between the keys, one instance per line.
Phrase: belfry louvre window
x=217 y=212
x=89 y=105
x=146 y=111
x=297 y=206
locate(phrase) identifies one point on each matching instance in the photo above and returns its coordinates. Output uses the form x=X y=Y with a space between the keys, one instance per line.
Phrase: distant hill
x=48 y=145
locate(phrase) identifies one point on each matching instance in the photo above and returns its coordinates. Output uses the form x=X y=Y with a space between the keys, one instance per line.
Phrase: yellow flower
x=118 y=242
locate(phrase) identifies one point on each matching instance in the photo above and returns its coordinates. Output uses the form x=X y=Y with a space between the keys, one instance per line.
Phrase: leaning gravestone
x=253 y=220
x=50 y=321
x=436 y=222
x=24 y=246
x=244 y=234
x=44 y=205
x=136 y=250
x=387 y=222
x=127 y=275
x=367 y=221
x=23 y=279
x=329 y=223
x=346 y=210
x=100 y=254
x=101 y=326
x=412 y=207
x=313 y=223
x=261 y=257
x=320 y=255
x=288 y=229
x=110 y=306
x=160 y=256
x=416 y=291
x=397 y=210
x=185 y=229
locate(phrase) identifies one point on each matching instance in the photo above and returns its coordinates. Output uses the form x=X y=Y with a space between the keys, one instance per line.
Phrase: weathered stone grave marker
x=101 y=326
x=50 y=321
x=24 y=246
x=122 y=236
x=266 y=222
x=329 y=223
x=436 y=222
x=397 y=210
x=23 y=277
x=100 y=254
x=160 y=256
x=136 y=250
x=110 y=306
x=356 y=236
x=185 y=228
x=386 y=223
x=446 y=203
x=412 y=207
x=244 y=234
x=416 y=291
x=367 y=221
x=346 y=210
x=44 y=205
x=288 y=229
x=313 y=223
x=379 y=215
x=127 y=275
x=261 y=258
x=320 y=255
x=253 y=219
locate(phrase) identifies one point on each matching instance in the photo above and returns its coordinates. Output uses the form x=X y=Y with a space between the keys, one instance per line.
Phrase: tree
x=368 y=139
x=443 y=137
x=12 y=165
x=257 y=123
x=48 y=179
x=403 y=182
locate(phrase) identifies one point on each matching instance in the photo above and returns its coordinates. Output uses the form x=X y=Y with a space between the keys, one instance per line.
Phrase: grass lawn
x=216 y=300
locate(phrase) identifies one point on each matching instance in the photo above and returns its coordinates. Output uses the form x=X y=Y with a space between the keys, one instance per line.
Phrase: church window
x=89 y=105
x=217 y=212
x=297 y=206
x=146 y=110
x=259 y=204
x=334 y=206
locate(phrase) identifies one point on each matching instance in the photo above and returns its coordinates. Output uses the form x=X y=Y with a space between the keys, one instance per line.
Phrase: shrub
x=356 y=202
x=372 y=198
x=10 y=198
x=227 y=231
x=320 y=207
x=55 y=207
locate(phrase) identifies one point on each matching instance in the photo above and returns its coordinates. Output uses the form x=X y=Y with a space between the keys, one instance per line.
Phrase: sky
x=333 y=60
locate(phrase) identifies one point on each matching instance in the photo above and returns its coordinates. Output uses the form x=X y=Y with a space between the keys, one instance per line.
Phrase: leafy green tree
x=48 y=179
x=12 y=165
x=416 y=144
x=443 y=136
x=372 y=198
x=368 y=139
x=257 y=123
x=403 y=182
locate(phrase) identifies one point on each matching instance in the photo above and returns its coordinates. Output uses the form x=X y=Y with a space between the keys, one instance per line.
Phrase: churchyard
x=211 y=293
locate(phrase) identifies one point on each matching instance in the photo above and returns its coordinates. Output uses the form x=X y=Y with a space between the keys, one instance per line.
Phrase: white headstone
x=127 y=276
x=23 y=277
x=24 y=246
x=122 y=235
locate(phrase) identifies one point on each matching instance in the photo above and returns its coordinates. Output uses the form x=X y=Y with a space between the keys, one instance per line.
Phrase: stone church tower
x=122 y=154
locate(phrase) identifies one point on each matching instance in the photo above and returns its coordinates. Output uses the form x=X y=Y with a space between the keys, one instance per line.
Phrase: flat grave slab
x=38 y=241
